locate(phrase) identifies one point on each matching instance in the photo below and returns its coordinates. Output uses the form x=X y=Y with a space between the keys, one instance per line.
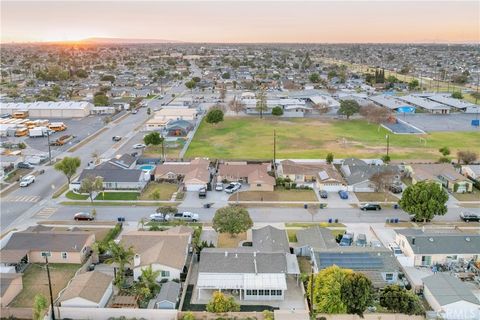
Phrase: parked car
x=139 y=146
x=370 y=206
x=116 y=138
x=469 y=216
x=323 y=194
x=361 y=240
x=24 y=165
x=158 y=217
x=396 y=189
x=186 y=216
x=375 y=244
x=219 y=186
x=395 y=249
x=83 y=216
x=232 y=187
x=202 y=193
x=343 y=194
x=134 y=111
x=27 y=180
x=347 y=240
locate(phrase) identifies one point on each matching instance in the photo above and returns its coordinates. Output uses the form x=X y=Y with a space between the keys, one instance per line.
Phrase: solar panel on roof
x=356 y=261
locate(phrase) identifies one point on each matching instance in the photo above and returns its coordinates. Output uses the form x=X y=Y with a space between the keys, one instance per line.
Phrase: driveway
x=334 y=200
x=218 y=198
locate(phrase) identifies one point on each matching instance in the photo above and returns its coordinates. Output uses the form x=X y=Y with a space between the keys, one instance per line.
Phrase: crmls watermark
x=461 y=314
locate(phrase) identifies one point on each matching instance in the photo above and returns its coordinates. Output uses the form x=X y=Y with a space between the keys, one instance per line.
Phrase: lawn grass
x=158 y=191
x=251 y=138
x=472 y=196
x=277 y=195
x=75 y=196
x=292 y=235
x=227 y=241
x=305 y=265
x=35 y=282
x=172 y=151
x=117 y=196
x=376 y=197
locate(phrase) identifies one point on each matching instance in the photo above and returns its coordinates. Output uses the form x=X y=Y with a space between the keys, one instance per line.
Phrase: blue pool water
x=147 y=167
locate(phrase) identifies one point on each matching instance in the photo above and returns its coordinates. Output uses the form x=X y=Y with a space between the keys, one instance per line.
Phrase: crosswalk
x=21 y=199
x=45 y=213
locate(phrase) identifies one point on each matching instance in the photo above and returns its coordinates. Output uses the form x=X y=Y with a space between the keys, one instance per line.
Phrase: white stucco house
x=88 y=290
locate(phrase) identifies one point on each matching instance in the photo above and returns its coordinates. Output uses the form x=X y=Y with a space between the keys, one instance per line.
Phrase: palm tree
x=148 y=279
x=120 y=256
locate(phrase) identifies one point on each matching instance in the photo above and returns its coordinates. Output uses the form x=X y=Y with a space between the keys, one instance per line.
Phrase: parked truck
x=61 y=141
x=39 y=132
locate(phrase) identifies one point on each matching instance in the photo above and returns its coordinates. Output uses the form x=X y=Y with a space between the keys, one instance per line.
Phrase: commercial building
x=50 y=109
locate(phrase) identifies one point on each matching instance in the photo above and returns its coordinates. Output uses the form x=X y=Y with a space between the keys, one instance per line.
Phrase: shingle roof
x=169 y=292
x=6 y=279
x=434 y=242
x=89 y=286
x=241 y=170
x=113 y=175
x=270 y=239
x=316 y=237
x=56 y=241
x=432 y=171
x=447 y=289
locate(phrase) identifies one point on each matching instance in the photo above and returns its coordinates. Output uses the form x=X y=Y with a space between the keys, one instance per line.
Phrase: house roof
x=177 y=112
x=196 y=169
x=125 y=161
x=167 y=248
x=89 y=286
x=323 y=171
x=270 y=239
x=316 y=237
x=179 y=124
x=438 y=242
x=56 y=241
x=6 y=280
x=169 y=292
x=433 y=171
x=356 y=171
x=113 y=175
x=260 y=176
x=448 y=289
x=241 y=170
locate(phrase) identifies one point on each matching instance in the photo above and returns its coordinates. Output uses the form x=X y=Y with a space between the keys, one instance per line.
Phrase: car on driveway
x=83 y=216
x=323 y=194
x=24 y=165
x=27 y=180
x=186 y=216
x=158 y=217
x=134 y=111
x=219 y=186
x=469 y=216
x=343 y=194
x=232 y=187
x=370 y=206
x=347 y=240
x=139 y=146
x=395 y=189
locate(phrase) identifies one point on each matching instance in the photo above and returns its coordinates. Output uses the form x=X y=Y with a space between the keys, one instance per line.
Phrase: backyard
x=159 y=191
x=225 y=240
x=277 y=195
x=35 y=282
x=172 y=150
x=252 y=138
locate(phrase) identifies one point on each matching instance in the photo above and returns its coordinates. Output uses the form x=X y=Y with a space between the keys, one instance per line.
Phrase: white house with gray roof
x=451 y=298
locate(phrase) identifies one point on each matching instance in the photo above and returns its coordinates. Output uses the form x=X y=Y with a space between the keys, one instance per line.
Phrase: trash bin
x=330 y=220
x=396 y=220
x=387 y=220
x=395 y=206
x=121 y=219
x=336 y=220
x=305 y=206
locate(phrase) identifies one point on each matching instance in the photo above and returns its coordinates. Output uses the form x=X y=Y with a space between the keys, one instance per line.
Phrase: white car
x=159 y=217
x=139 y=146
x=232 y=187
x=27 y=180
x=219 y=186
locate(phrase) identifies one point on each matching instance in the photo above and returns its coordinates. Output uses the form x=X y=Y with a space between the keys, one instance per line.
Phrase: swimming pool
x=147 y=167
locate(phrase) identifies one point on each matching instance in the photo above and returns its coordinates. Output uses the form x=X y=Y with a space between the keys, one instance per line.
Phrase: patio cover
x=265 y=281
x=292 y=264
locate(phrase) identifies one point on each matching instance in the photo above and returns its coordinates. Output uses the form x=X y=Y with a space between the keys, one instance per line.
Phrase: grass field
x=158 y=191
x=35 y=282
x=277 y=195
x=375 y=197
x=473 y=196
x=75 y=196
x=252 y=138
x=117 y=196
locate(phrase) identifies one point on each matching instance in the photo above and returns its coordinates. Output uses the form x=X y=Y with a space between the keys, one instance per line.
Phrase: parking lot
x=442 y=122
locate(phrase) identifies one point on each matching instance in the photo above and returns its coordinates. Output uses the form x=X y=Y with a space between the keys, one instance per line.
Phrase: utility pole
x=49 y=150
x=274 y=149
x=388 y=143
x=312 y=307
x=45 y=254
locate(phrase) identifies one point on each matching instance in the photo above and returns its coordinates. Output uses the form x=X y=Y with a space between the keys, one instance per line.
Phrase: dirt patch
x=225 y=240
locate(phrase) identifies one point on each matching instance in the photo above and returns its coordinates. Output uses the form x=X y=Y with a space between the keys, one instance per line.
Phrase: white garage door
x=363 y=189
x=332 y=188
x=195 y=187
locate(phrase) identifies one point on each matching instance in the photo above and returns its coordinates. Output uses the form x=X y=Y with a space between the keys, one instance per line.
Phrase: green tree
x=399 y=300
x=314 y=78
x=39 y=306
x=221 y=303
x=412 y=85
x=327 y=286
x=148 y=279
x=100 y=100
x=153 y=138
x=90 y=185
x=329 y=158
x=68 y=166
x=109 y=78
x=190 y=85
x=81 y=73
x=226 y=75
x=348 y=108
x=188 y=316
x=357 y=293
x=445 y=151
x=424 y=200
x=457 y=95
x=120 y=256
x=232 y=219
x=277 y=111
x=214 y=116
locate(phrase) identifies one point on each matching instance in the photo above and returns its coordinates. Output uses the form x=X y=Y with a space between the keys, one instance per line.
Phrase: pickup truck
x=186 y=216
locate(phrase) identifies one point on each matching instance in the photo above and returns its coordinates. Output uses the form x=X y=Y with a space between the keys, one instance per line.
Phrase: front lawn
x=159 y=191
x=376 y=197
x=172 y=150
x=117 y=196
x=227 y=241
x=251 y=138
x=75 y=196
x=472 y=196
x=35 y=281
x=277 y=195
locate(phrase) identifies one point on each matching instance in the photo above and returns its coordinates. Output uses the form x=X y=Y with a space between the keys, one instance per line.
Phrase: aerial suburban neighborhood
x=255 y=177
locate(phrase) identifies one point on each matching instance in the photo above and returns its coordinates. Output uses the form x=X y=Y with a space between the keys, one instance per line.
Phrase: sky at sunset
x=243 y=21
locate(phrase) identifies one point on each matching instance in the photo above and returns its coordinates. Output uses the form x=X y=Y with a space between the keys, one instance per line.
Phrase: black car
x=469 y=216
x=323 y=194
x=116 y=138
x=24 y=165
x=396 y=189
x=202 y=193
x=370 y=206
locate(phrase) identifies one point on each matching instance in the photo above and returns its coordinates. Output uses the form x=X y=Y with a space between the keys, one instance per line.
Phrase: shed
x=167 y=298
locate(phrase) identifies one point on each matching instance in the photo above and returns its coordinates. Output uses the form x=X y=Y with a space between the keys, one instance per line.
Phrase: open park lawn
x=227 y=241
x=277 y=195
x=252 y=138
x=35 y=282
x=159 y=191
x=376 y=197
x=117 y=196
